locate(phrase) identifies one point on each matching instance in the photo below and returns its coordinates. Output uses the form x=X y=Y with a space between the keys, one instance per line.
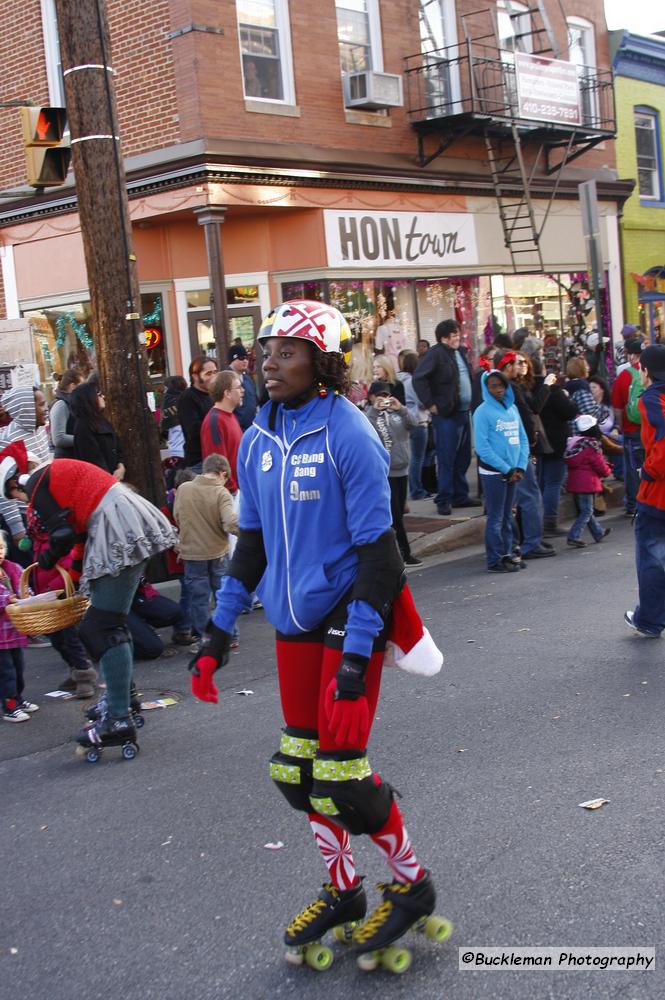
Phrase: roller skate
x=108 y=732
x=96 y=711
x=337 y=910
x=404 y=907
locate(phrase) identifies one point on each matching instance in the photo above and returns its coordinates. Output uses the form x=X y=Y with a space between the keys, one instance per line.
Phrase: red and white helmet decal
x=321 y=324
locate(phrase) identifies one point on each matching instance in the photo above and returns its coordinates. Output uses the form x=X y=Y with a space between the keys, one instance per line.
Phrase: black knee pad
x=291 y=766
x=100 y=631
x=347 y=791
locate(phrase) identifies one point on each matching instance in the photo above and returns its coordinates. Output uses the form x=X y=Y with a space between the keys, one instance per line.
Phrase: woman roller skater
x=316 y=542
x=113 y=532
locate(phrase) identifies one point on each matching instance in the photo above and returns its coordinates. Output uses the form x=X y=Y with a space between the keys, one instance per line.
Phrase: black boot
x=331 y=908
x=401 y=907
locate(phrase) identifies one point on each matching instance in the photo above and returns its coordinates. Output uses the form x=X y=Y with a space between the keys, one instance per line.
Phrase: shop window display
x=466 y=300
x=62 y=337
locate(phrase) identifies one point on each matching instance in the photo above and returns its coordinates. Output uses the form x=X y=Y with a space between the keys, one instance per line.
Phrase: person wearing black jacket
x=193 y=405
x=530 y=394
x=442 y=382
x=95 y=441
x=558 y=410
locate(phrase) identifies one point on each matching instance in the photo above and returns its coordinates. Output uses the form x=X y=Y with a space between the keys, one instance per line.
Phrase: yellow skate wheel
x=396 y=960
x=318 y=957
x=344 y=932
x=437 y=929
x=294 y=956
x=368 y=961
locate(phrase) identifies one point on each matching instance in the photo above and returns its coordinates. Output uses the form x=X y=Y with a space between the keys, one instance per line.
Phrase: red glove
x=346 y=706
x=203 y=685
x=213 y=654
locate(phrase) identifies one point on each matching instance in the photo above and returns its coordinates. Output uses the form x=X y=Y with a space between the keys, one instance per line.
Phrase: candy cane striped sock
x=393 y=842
x=335 y=846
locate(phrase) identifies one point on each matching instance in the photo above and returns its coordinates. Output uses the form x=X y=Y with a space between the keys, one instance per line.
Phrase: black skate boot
x=403 y=907
x=333 y=909
x=96 y=711
x=108 y=732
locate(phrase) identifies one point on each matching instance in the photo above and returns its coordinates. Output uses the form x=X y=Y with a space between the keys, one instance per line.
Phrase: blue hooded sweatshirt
x=499 y=436
x=316 y=485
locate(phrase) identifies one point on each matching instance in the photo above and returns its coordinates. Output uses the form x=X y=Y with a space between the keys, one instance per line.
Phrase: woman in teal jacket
x=503 y=452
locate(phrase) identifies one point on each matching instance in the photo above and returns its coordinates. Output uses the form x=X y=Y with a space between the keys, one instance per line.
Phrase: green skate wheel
x=368 y=961
x=344 y=932
x=396 y=960
x=437 y=929
x=129 y=751
x=318 y=957
x=92 y=756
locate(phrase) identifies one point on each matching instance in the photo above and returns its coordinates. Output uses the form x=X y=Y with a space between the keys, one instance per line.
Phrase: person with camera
x=393 y=423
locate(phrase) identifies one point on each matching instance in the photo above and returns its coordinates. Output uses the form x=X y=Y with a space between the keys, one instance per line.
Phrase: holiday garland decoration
x=80 y=330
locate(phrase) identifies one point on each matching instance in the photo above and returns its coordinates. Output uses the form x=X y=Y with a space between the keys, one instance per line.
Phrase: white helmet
x=321 y=324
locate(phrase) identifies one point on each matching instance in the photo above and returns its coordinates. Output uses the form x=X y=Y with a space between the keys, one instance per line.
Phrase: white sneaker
x=27 y=706
x=15 y=715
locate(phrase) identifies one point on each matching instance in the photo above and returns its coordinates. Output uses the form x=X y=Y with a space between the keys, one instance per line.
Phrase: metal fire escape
x=471 y=89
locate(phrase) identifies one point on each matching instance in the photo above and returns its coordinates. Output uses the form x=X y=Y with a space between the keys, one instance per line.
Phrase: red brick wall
x=191 y=87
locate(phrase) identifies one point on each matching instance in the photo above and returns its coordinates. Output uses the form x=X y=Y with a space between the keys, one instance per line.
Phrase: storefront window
x=315 y=291
x=461 y=299
x=63 y=339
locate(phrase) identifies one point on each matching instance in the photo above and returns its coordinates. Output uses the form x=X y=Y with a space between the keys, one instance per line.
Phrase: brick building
x=396 y=157
x=639 y=70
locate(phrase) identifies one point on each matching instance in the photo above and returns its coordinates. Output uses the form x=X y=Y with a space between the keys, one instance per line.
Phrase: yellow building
x=639 y=81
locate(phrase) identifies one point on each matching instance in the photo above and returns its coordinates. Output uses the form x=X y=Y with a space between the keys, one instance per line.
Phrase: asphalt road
x=150 y=878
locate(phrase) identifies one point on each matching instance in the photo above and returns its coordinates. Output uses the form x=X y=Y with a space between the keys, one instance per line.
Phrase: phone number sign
x=548 y=90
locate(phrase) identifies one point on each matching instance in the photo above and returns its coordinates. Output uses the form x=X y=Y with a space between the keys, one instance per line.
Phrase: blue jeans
x=584 y=504
x=650 y=564
x=418 y=439
x=116 y=593
x=551 y=474
x=203 y=578
x=530 y=505
x=452 y=436
x=633 y=456
x=499 y=497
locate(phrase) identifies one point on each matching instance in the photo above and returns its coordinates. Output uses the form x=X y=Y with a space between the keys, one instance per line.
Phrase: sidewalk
x=433 y=535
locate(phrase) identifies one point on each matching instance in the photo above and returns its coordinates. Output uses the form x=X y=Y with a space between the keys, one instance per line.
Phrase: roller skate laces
x=330 y=909
x=402 y=906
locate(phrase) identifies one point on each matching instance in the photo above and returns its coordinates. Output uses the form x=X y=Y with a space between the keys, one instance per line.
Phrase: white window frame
x=375 y=37
x=283 y=27
x=643 y=111
x=56 y=89
x=449 y=19
x=588 y=27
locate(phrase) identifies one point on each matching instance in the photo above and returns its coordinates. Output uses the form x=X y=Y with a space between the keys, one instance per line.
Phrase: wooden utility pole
x=107 y=237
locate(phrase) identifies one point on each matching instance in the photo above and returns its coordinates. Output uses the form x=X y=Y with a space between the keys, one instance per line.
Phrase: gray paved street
x=150 y=879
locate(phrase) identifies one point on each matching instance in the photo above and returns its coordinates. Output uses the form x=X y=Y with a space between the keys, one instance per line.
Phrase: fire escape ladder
x=532 y=30
x=512 y=186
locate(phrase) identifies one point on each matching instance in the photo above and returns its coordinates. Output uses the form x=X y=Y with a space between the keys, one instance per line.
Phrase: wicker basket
x=49 y=616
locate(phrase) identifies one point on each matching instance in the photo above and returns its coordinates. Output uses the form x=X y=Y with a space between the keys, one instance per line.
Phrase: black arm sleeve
x=380 y=573
x=248 y=563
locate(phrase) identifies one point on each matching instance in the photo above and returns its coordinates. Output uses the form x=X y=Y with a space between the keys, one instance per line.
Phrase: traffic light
x=46 y=155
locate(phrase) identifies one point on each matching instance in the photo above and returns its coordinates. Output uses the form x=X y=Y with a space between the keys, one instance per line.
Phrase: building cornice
x=205 y=162
x=639 y=57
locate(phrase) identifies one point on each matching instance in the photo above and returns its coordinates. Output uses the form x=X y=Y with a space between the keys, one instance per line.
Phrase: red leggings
x=305 y=670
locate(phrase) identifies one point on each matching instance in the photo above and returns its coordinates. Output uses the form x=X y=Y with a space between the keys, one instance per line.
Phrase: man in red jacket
x=648 y=618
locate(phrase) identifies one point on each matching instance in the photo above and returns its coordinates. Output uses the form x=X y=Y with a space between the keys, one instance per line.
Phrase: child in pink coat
x=586 y=469
x=14 y=707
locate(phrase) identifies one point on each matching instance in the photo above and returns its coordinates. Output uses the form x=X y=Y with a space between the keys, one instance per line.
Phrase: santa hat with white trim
x=14 y=460
x=410 y=646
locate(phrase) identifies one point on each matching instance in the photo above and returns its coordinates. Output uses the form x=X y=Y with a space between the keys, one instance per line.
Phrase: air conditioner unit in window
x=370 y=91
